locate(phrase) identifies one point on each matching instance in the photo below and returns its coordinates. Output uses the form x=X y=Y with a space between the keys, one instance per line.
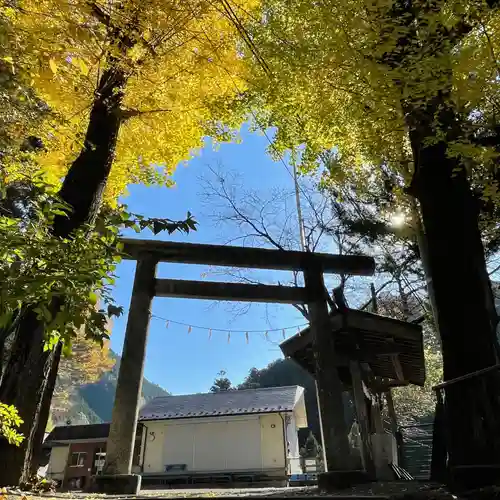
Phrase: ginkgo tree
x=412 y=86
x=141 y=81
x=132 y=88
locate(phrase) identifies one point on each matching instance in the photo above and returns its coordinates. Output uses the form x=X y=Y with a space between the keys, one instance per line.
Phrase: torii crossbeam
x=118 y=477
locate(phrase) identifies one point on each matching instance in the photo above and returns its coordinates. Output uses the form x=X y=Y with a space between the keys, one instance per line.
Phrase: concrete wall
x=57 y=462
x=246 y=442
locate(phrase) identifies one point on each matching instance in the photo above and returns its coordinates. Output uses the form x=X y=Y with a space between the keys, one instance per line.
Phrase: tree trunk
x=424 y=256
x=35 y=441
x=7 y=336
x=24 y=385
x=86 y=179
x=456 y=263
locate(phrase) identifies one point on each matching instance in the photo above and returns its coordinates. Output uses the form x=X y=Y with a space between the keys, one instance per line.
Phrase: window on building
x=77 y=459
x=99 y=459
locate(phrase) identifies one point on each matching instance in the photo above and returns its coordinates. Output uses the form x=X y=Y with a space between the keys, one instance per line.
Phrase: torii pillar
x=117 y=476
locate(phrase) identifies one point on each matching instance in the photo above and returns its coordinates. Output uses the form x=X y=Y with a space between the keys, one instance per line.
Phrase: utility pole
x=302 y=232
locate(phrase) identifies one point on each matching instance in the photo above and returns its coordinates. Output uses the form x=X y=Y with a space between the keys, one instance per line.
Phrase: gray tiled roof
x=267 y=400
x=72 y=432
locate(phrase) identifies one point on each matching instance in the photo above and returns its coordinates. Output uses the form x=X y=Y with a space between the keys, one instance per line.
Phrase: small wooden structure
x=392 y=349
x=117 y=477
x=372 y=354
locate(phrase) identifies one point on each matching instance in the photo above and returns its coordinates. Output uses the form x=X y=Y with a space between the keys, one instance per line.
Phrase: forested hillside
x=100 y=395
x=283 y=372
x=93 y=402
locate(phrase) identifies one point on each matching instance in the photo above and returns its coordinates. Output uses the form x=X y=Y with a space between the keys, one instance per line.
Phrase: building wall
x=153 y=446
x=57 y=462
x=246 y=442
x=85 y=470
x=59 y=467
x=292 y=437
x=272 y=441
x=252 y=442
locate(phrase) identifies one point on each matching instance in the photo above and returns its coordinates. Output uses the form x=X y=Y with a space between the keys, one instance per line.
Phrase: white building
x=246 y=435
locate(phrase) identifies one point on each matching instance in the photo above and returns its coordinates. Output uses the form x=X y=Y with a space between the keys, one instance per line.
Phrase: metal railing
x=299 y=465
x=417 y=449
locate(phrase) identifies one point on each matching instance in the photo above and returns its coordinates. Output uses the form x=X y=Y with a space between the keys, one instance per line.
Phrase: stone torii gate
x=118 y=477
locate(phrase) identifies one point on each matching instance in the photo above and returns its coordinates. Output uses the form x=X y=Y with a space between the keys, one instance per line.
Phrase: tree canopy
x=221 y=383
x=335 y=87
x=179 y=62
x=411 y=87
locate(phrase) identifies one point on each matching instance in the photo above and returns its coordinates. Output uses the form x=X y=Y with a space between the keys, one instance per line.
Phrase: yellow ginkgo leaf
x=9 y=12
x=53 y=66
x=172 y=109
x=83 y=67
x=10 y=61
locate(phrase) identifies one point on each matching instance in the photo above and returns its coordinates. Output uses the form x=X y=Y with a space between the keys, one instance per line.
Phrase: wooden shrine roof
x=392 y=349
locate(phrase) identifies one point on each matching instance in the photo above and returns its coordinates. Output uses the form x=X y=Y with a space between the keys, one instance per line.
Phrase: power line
x=297 y=186
x=233 y=18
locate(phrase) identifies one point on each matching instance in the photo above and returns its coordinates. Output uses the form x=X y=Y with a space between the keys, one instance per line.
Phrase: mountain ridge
x=93 y=403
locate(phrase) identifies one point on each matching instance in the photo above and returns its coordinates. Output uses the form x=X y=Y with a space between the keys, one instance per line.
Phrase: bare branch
x=126 y=114
x=255 y=218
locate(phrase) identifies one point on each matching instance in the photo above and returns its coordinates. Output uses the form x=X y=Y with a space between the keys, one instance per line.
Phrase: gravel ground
x=378 y=490
x=407 y=490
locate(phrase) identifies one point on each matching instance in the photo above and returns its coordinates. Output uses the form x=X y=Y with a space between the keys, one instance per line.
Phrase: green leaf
x=46 y=313
x=56 y=211
x=115 y=310
x=66 y=349
x=93 y=298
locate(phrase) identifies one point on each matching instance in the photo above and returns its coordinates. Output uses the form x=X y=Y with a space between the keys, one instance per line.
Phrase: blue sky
x=183 y=362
